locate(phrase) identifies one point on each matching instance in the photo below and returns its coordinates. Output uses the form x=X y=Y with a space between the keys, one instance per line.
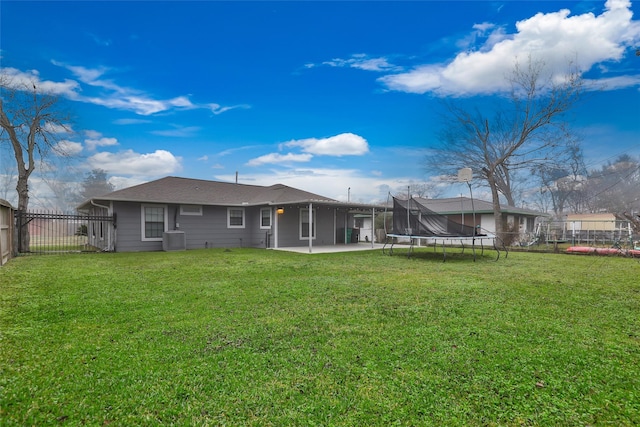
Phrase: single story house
x=593 y=227
x=181 y=213
x=593 y=222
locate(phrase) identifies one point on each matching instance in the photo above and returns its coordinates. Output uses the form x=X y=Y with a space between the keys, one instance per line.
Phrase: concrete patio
x=351 y=247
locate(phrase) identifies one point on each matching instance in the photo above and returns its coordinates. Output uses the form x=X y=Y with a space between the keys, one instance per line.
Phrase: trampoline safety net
x=411 y=218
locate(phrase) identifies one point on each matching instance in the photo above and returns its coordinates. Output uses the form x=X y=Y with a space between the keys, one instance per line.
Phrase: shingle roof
x=201 y=192
x=455 y=205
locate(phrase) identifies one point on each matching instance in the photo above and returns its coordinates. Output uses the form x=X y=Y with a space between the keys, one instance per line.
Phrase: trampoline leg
x=410 y=248
x=473 y=248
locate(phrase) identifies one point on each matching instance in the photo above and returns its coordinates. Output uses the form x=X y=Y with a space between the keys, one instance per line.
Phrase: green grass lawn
x=256 y=337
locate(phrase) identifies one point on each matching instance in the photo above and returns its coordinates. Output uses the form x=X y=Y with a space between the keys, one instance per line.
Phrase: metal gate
x=51 y=233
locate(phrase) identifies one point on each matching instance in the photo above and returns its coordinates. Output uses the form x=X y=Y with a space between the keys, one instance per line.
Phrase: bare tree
x=32 y=122
x=427 y=189
x=526 y=128
x=562 y=179
x=615 y=187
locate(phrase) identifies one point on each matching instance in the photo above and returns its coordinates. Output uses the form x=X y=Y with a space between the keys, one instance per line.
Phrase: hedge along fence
x=6 y=231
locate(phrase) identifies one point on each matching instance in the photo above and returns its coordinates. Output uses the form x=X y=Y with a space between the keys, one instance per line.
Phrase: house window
x=235 y=218
x=154 y=222
x=304 y=224
x=265 y=218
x=191 y=210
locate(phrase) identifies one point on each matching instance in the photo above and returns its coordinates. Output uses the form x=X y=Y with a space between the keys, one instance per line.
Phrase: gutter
x=99 y=205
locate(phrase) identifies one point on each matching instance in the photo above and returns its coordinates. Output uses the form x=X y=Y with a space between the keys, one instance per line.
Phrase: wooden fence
x=6 y=231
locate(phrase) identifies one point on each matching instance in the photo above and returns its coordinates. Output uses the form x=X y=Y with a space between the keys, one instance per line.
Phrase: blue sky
x=322 y=96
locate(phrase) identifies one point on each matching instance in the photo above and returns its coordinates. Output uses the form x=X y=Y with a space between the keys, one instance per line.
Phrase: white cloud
x=67 y=148
x=93 y=143
x=361 y=61
x=128 y=162
x=120 y=182
x=179 y=131
x=112 y=95
x=99 y=40
x=57 y=128
x=120 y=97
x=613 y=83
x=344 y=144
x=219 y=109
x=332 y=183
x=276 y=158
x=92 y=134
x=230 y=151
x=138 y=103
x=17 y=79
x=555 y=38
x=130 y=121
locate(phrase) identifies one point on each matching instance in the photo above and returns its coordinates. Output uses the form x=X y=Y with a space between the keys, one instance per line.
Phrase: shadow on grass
x=450 y=254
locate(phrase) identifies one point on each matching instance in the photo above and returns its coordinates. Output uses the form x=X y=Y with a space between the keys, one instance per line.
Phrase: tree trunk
x=495 y=198
x=23 y=204
x=497 y=211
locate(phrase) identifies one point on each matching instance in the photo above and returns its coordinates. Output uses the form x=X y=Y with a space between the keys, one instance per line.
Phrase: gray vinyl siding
x=289 y=227
x=128 y=229
x=210 y=229
x=325 y=234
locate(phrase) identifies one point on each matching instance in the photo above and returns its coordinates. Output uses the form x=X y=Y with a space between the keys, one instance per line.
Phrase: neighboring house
x=520 y=222
x=207 y=214
x=363 y=224
x=593 y=222
x=597 y=226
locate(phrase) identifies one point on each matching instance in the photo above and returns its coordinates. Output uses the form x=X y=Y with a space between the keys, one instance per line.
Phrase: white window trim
x=185 y=213
x=142 y=222
x=304 y=214
x=266 y=227
x=229 y=218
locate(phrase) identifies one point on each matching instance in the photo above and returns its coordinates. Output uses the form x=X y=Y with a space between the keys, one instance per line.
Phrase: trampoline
x=415 y=222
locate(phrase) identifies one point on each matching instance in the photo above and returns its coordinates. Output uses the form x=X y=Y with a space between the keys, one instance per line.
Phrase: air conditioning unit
x=174 y=241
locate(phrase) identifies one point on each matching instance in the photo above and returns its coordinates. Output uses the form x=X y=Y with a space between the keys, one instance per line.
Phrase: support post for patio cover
x=275 y=227
x=310 y=227
x=373 y=226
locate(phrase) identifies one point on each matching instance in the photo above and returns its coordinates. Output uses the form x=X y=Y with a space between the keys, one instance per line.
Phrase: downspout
x=99 y=205
x=111 y=246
